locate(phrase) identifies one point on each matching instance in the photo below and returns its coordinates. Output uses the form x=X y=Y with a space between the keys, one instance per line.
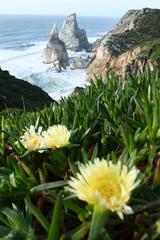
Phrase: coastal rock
x=133 y=61
x=56 y=52
x=130 y=47
x=74 y=38
x=57 y=66
x=94 y=46
x=16 y=93
x=79 y=63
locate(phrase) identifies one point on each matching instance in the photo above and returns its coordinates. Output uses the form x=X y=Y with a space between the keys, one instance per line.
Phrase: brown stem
x=148 y=207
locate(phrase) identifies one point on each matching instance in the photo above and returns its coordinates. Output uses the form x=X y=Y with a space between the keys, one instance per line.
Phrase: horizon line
x=58 y=15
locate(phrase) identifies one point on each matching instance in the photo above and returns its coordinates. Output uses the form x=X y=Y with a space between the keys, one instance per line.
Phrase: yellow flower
x=56 y=137
x=106 y=185
x=31 y=139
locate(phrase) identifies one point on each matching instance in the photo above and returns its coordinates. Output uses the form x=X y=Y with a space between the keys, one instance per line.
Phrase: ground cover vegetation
x=86 y=168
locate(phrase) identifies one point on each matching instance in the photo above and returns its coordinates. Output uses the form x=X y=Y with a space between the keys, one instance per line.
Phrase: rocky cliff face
x=74 y=38
x=56 y=52
x=14 y=93
x=132 y=46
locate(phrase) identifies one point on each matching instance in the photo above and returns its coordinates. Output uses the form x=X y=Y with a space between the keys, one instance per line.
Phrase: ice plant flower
x=56 y=136
x=105 y=185
x=32 y=139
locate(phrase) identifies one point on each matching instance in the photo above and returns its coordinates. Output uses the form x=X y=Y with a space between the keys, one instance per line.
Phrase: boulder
x=79 y=63
x=74 y=38
x=56 y=51
x=131 y=47
x=57 y=66
x=17 y=93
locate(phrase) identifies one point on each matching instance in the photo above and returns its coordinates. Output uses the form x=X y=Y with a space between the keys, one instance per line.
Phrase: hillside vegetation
x=15 y=92
x=112 y=119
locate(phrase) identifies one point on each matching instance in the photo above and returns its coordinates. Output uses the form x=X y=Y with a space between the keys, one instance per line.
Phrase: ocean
x=22 y=40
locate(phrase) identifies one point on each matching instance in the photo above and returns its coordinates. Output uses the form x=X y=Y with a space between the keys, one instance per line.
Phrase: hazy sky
x=114 y=8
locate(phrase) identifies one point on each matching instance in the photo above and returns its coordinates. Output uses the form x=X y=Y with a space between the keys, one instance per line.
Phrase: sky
x=107 y=8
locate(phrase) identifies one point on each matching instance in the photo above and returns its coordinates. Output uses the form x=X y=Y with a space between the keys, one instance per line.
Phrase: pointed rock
x=55 y=51
x=74 y=38
x=54 y=32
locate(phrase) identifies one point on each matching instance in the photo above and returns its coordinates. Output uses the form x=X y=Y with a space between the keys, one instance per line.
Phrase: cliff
x=14 y=93
x=132 y=46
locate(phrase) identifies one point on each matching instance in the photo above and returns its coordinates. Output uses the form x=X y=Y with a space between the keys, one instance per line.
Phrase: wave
x=93 y=39
x=27 y=45
x=21 y=51
x=100 y=33
x=28 y=65
x=22 y=46
x=58 y=85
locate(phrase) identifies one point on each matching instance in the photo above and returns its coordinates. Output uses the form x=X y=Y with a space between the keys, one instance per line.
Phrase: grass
x=113 y=119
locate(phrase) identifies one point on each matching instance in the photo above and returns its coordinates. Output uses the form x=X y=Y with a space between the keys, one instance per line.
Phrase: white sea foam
x=98 y=36
x=92 y=39
x=28 y=64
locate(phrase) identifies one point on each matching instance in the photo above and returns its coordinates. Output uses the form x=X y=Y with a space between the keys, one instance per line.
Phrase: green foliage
x=111 y=119
x=56 y=222
x=14 y=93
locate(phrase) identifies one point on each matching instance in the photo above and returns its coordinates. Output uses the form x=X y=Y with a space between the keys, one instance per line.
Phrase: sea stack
x=55 y=51
x=74 y=38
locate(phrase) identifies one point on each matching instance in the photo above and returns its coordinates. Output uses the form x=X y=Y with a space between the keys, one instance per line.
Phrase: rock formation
x=74 y=38
x=15 y=93
x=131 y=46
x=79 y=63
x=56 y=52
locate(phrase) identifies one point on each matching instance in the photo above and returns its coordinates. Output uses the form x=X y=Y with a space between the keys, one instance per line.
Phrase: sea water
x=23 y=39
